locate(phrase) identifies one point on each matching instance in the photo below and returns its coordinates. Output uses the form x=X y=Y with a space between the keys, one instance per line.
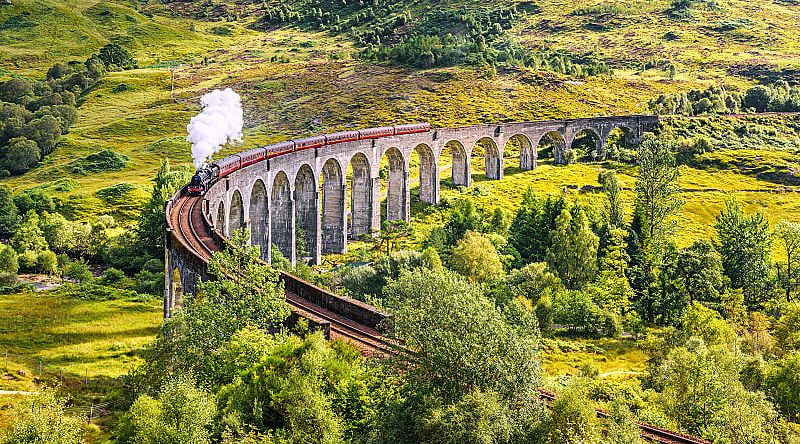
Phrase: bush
x=8 y=260
x=100 y=162
x=46 y=262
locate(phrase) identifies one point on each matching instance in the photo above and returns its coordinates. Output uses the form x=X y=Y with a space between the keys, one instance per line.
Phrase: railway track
x=192 y=232
x=187 y=221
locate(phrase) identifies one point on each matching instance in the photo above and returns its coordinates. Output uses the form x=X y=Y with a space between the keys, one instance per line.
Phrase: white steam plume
x=219 y=123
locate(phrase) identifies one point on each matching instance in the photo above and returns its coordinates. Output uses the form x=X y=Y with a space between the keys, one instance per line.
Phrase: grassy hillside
x=296 y=80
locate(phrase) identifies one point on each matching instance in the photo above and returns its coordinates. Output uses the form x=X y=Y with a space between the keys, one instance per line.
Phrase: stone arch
x=551 y=144
x=236 y=213
x=306 y=212
x=281 y=213
x=459 y=160
x=527 y=155
x=221 y=222
x=397 y=181
x=259 y=218
x=361 y=195
x=428 y=174
x=334 y=212
x=587 y=144
x=493 y=158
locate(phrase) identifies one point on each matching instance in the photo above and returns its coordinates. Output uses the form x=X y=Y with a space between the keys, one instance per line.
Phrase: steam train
x=205 y=176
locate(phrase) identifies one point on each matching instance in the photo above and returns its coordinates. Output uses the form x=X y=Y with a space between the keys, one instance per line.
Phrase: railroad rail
x=190 y=228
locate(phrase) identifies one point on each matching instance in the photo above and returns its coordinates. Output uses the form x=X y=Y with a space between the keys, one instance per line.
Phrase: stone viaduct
x=300 y=198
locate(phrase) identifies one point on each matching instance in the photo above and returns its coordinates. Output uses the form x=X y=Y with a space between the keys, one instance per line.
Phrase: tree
x=461 y=340
x=758 y=98
x=43 y=420
x=302 y=390
x=34 y=199
x=115 y=57
x=180 y=414
x=782 y=381
x=45 y=131
x=615 y=215
x=788 y=235
x=476 y=258
x=657 y=192
x=700 y=273
x=393 y=234
x=612 y=291
x=8 y=260
x=745 y=243
x=535 y=219
x=573 y=249
x=9 y=216
x=150 y=229
x=463 y=217
x=29 y=236
x=787 y=328
x=572 y=420
x=18 y=90
x=244 y=293
x=21 y=155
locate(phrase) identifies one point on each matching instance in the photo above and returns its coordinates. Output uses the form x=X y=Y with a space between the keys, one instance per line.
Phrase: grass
x=616 y=358
x=100 y=338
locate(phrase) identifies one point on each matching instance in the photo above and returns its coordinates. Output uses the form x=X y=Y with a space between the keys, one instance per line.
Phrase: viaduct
x=300 y=198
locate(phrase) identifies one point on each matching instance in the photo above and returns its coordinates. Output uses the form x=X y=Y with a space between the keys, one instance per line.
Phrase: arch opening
x=619 y=140
x=360 y=200
x=259 y=219
x=423 y=163
x=393 y=169
x=282 y=216
x=455 y=155
x=334 y=237
x=493 y=161
x=306 y=214
x=519 y=152
x=585 y=146
x=236 y=217
x=551 y=146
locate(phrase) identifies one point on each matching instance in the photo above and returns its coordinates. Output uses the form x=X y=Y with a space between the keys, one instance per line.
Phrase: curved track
x=190 y=229
x=189 y=226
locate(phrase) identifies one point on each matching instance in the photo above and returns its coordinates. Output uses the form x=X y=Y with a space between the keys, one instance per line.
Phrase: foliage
x=535 y=219
x=699 y=272
x=787 y=327
x=9 y=215
x=572 y=419
x=573 y=249
x=8 y=260
x=461 y=340
x=298 y=390
x=788 y=236
x=475 y=258
x=745 y=243
x=244 y=293
x=781 y=384
x=181 y=413
x=99 y=162
x=615 y=214
x=116 y=57
x=464 y=217
x=150 y=230
x=29 y=236
x=657 y=193
x=776 y=97
x=43 y=420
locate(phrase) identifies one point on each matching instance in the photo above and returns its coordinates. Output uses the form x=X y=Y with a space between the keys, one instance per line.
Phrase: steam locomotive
x=205 y=176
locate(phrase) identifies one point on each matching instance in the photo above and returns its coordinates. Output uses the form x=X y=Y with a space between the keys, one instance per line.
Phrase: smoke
x=219 y=123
